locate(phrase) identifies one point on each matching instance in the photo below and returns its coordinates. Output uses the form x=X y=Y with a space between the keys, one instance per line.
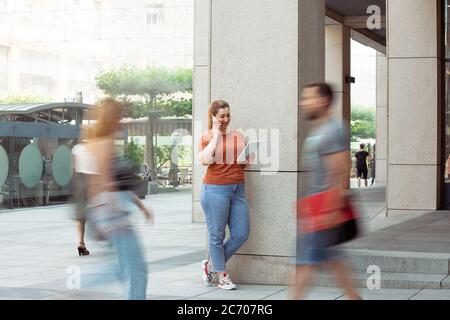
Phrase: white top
x=85 y=162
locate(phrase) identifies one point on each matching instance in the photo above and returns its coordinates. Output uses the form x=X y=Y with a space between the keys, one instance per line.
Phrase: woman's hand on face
x=217 y=126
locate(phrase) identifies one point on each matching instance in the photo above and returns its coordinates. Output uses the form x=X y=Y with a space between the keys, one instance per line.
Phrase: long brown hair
x=213 y=110
x=108 y=113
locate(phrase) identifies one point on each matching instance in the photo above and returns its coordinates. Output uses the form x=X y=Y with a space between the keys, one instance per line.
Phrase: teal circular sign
x=4 y=166
x=62 y=165
x=30 y=166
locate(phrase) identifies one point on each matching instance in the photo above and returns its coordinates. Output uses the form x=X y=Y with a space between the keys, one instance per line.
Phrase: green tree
x=135 y=153
x=363 y=123
x=149 y=93
x=163 y=154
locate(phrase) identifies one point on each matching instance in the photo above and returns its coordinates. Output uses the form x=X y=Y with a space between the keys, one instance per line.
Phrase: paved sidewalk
x=38 y=246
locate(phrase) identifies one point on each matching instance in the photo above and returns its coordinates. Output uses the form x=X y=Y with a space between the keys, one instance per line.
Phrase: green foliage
x=164 y=153
x=185 y=156
x=363 y=124
x=363 y=113
x=177 y=107
x=135 y=153
x=149 y=92
x=149 y=85
x=16 y=98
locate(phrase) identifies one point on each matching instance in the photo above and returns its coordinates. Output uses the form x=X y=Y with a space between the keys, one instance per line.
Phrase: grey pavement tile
x=24 y=293
x=243 y=292
x=84 y=295
x=312 y=294
x=385 y=294
x=442 y=236
x=181 y=291
x=18 y=283
x=414 y=245
x=432 y=295
x=165 y=297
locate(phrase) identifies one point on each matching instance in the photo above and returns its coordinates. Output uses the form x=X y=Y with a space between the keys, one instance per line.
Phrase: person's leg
x=238 y=222
x=342 y=275
x=81 y=230
x=358 y=174
x=81 y=227
x=215 y=201
x=304 y=276
x=132 y=264
x=365 y=173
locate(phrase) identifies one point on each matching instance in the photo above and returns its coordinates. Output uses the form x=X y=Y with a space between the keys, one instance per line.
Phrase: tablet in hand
x=251 y=147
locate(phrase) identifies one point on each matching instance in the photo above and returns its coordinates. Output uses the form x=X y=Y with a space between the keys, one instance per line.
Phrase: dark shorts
x=313 y=248
x=362 y=173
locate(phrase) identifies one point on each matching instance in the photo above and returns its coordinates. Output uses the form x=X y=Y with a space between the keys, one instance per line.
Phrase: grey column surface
x=413 y=141
x=201 y=93
x=337 y=69
x=257 y=56
x=382 y=120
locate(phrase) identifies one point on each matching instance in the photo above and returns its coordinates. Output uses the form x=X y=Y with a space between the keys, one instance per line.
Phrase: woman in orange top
x=223 y=193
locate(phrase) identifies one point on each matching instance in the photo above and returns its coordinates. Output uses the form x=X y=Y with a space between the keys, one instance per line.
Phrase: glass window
x=3 y=5
x=155 y=15
x=3 y=68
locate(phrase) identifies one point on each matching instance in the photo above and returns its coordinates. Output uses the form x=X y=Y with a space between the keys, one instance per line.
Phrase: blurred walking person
x=223 y=196
x=325 y=157
x=108 y=205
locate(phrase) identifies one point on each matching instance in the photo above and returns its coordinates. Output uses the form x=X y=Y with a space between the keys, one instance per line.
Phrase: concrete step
x=398 y=261
x=390 y=280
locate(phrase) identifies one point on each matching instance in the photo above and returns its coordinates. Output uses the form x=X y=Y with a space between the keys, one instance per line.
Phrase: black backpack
x=123 y=174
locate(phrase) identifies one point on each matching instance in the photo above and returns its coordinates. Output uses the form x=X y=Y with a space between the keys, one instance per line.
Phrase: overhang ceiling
x=358 y=8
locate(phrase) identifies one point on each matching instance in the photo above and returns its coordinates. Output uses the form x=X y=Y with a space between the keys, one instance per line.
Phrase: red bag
x=322 y=211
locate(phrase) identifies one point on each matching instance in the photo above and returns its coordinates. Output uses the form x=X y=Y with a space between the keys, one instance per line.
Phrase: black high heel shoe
x=82 y=251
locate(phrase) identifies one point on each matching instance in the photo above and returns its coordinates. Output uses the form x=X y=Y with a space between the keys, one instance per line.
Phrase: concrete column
x=382 y=120
x=414 y=125
x=338 y=67
x=261 y=53
x=201 y=94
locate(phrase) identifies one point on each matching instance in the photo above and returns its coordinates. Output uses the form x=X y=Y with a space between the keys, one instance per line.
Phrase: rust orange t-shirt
x=225 y=169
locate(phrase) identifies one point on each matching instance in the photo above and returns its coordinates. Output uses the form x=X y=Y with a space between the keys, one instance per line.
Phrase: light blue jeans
x=128 y=265
x=133 y=269
x=225 y=205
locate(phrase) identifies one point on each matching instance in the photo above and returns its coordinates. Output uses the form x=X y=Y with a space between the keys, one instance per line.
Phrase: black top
x=361 y=162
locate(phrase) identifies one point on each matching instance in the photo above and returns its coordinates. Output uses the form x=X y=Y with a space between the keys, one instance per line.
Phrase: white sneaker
x=207 y=275
x=226 y=283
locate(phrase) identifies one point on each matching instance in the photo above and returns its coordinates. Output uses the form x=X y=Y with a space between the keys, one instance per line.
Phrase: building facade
x=54 y=48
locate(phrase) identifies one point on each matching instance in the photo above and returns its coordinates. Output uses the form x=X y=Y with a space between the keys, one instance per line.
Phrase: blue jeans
x=225 y=205
x=129 y=266
x=133 y=268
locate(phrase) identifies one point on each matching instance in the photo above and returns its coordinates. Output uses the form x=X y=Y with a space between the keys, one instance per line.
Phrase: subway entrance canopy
x=35 y=152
